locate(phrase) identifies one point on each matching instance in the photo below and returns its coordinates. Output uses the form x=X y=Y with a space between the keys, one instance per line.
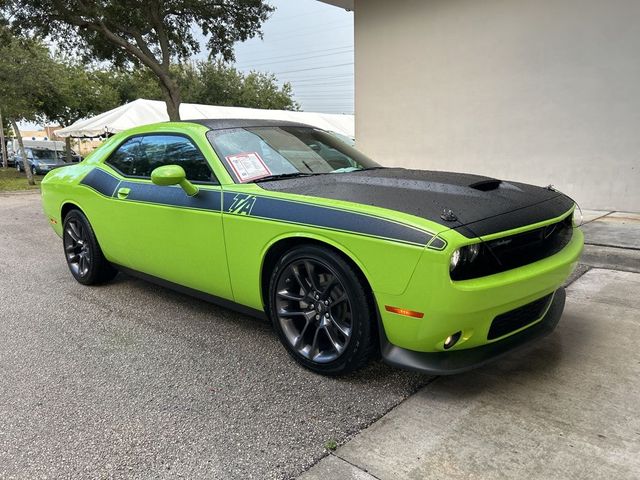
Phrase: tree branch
x=163 y=39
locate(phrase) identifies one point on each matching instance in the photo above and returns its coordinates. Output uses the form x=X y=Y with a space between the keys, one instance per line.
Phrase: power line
x=320 y=95
x=296 y=60
x=307 y=14
x=344 y=91
x=305 y=33
x=328 y=79
x=310 y=52
x=347 y=80
x=314 y=68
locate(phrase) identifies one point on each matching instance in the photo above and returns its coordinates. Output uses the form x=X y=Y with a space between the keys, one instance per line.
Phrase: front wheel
x=84 y=256
x=321 y=311
x=34 y=172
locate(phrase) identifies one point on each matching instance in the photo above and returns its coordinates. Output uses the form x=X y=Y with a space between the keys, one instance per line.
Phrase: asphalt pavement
x=130 y=380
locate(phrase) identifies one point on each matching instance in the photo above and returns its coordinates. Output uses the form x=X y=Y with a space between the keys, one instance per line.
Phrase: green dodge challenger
x=437 y=272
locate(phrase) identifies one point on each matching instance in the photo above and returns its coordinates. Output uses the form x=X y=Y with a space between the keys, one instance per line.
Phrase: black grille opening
x=517 y=250
x=520 y=317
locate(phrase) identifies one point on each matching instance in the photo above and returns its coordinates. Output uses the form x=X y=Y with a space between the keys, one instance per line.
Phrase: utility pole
x=3 y=142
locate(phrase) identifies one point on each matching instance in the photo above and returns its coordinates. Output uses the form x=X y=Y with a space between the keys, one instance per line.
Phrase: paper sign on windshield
x=248 y=166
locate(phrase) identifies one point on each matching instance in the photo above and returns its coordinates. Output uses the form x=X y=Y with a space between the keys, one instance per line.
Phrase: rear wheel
x=321 y=311
x=84 y=256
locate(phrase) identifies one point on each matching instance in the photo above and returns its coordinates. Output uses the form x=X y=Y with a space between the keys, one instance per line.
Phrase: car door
x=160 y=230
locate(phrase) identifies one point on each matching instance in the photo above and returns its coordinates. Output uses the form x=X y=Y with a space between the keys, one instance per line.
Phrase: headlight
x=464 y=255
x=455 y=259
x=577 y=217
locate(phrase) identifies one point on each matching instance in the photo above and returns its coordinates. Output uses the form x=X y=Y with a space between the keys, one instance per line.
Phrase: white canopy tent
x=143 y=112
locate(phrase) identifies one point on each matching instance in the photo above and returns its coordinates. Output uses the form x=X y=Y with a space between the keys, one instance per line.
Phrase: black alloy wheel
x=321 y=311
x=84 y=256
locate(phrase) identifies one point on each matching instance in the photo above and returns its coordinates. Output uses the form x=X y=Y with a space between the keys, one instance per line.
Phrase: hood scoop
x=486 y=185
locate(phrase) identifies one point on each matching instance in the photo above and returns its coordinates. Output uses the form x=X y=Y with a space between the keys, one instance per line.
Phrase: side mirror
x=173 y=175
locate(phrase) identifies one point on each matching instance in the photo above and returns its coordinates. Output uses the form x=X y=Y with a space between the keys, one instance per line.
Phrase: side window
x=146 y=153
x=159 y=150
x=124 y=159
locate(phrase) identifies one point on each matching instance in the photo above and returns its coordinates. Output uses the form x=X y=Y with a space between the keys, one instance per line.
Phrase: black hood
x=472 y=204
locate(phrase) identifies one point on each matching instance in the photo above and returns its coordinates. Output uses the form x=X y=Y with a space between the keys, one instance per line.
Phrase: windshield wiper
x=281 y=176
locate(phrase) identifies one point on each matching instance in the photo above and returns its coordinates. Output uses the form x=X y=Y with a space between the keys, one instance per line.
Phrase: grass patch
x=12 y=180
x=331 y=445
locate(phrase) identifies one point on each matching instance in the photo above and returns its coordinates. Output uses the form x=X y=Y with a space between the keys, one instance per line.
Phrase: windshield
x=261 y=153
x=46 y=155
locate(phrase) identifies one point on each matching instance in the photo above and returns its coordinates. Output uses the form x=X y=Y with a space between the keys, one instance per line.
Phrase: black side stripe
x=101 y=182
x=172 y=196
x=319 y=216
x=258 y=206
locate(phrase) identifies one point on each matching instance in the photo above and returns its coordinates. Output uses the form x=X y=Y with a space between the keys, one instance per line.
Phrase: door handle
x=123 y=193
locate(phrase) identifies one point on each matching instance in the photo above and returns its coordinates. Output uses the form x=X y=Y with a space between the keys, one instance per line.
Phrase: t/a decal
x=242 y=204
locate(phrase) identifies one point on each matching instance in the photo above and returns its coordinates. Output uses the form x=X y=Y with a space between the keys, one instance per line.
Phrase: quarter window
x=139 y=156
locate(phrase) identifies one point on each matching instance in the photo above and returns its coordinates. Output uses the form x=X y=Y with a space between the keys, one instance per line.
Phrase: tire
x=18 y=167
x=321 y=311
x=82 y=251
x=34 y=172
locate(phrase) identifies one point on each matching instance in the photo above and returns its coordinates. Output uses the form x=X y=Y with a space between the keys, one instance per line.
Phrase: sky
x=309 y=44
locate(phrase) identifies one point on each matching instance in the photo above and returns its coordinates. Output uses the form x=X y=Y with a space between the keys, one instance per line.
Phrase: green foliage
x=34 y=86
x=131 y=85
x=24 y=78
x=111 y=29
x=152 y=33
x=77 y=92
x=8 y=132
x=209 y=83
x=331 y=444
x=214 y=83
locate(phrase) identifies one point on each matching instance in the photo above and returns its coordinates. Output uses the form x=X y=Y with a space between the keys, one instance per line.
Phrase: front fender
x=386 y=265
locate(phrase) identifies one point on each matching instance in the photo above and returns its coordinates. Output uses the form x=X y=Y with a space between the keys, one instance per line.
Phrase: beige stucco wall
x=542 y=91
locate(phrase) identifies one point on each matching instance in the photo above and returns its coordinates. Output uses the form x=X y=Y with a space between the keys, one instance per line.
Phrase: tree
x=4 y=38
x=260 y=90
x=4 y=133
x=77 y=92
x=210 y=83
x=143 y=32
x=131 y=85
x=24 y=80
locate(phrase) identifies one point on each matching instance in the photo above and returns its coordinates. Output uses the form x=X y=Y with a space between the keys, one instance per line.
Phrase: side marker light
x=404 y=311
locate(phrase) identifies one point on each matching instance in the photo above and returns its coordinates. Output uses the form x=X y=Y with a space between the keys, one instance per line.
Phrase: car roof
x=222 y=123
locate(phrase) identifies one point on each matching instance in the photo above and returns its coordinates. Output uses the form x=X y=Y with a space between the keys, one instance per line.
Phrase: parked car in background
x=40 y=161
x=11 y=159
x=57 y=148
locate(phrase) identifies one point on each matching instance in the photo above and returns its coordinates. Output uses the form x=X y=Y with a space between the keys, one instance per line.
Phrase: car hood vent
x=486 y=185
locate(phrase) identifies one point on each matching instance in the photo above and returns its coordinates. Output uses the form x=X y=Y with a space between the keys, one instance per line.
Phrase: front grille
x=517 y=250
x=518 y=318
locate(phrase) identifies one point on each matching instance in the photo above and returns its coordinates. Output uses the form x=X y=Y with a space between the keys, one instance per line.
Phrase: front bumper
x=458 y=361
x=468 y=309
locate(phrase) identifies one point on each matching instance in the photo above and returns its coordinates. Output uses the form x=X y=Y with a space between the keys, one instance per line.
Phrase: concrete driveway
x=130 y=380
